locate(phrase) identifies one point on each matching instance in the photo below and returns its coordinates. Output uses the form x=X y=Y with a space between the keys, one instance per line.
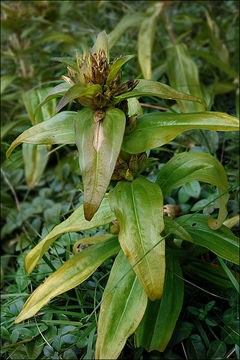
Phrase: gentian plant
x=144 y=292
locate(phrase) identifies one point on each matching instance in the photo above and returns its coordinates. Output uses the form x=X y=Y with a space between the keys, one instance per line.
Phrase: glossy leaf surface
x=97 y=166
x=154 y=88
x=72 y=273
x=138 y=206
x=146 y=38
x=158 y=323
x=77 y=91
x=156 y=129
x=57 y=130
x=222 y=241
x=123 y=306
x=187 y=167
x=32 y=99
x=75 y=222
x=171 y=227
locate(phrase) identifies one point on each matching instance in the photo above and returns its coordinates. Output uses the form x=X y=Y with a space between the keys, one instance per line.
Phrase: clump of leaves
x=112 y=137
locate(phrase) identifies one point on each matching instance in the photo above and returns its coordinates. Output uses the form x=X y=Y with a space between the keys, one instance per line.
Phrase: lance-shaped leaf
x=75 y=222
x=158 y=323
x=183 y=76
x=222 y=241
x=138 y=206
x=128 y=21
x=78 y=91
x=154 y=88
x=156 y=129
x=72 y=273
x=35 y=159
x=55 y=92
x=101 y=44
x=97 y=166
x=6 y=80
x=32 y=99
x=116 y=67
x=191 y=166
x=146 y=38
x=57 y=130
x=123 y=306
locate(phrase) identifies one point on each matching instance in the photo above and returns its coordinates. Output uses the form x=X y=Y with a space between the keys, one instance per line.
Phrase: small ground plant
x=152 y=243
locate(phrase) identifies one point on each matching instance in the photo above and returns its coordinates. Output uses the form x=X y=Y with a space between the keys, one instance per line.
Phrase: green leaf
x=195 y=348
x=159 y=128
x=138 y=206
x=9 y=126
x=35 y=158
x=213 y=60
x=116 y=67
x=55 y=92
x=229 y=274
x=121 y=310
x=54 y=36
x=146 y=38
x=101 y=44
x=183 y=76
x=75 y=222
x=57 y=130
x=97 y=166
x=6 y=80
x=134 y=107
x=186 y=167
x=72 y=273
x=207 y=273
x=158 y=323
x=78 y=91
x=32 y=99
x=154 y=88
x=128 y=21
x=217 y=350
x=170 y=226
x=67 y=61
x=222 y=242
x=193 y=189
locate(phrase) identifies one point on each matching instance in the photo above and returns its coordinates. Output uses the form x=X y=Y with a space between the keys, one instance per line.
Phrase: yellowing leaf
x=156 y=129
x=123 y=306
x=97 y=166
x=75 y=222
x=57 y=130
x=191 y=166
x=92 y=240
x=138 y=206
x=72 y=273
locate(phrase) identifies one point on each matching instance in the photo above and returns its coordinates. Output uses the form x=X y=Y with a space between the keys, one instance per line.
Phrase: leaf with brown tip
x=97 y=166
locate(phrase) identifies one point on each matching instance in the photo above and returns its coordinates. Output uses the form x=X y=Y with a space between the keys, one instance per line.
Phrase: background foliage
x=33 y=34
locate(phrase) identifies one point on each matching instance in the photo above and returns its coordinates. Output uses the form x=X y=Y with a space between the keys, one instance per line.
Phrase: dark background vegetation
x=33 y=33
